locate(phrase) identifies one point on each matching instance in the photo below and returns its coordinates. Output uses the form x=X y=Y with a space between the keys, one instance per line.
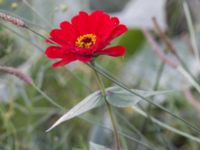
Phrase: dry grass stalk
x=17 y=73
x=163 y=36
x=16 y=21
x=157 y=49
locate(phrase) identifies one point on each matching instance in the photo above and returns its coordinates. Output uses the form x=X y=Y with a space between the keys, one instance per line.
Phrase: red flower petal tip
x=85 y=37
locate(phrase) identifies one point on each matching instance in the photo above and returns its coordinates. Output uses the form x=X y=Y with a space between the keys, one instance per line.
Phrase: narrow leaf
x=90 y=102
x=121 y=98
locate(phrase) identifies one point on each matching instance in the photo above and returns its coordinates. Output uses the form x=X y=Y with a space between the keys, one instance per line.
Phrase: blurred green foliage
x=6 y=43
x=25 y=117
x=133 y=41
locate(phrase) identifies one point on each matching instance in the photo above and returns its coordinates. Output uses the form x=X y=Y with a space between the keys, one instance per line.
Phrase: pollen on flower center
x=86 y=40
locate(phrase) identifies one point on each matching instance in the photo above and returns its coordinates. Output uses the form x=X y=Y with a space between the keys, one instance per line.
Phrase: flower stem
x=113 y=120
x=109 y=108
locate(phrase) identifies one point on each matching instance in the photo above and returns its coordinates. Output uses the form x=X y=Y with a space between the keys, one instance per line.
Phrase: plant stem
x=47 y=97
x=109 y=108
x=113 y=120
x=191 y=31
x=149 y=108
x=41 y=36
x=122 y=85
x=155 y=87
x=167 y=126
x=169 y=45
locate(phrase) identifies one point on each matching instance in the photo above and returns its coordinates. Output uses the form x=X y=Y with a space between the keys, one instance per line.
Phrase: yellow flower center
x=86 y=40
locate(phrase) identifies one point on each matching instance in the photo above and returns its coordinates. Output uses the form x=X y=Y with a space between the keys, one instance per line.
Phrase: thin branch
x=17 y=73
x=157 y=49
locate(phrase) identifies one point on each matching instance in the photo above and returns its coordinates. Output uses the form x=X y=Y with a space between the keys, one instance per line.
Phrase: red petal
x=84 y=59
x=68 y=30
x=54 y=52
x=80 y=23
x=96 y=20
x=65 y=61
x=58 y=36
x=62 y=37
x=66 y=25
x=105 y=26
x=115 y=51
x=120 y=29
x=115 y=20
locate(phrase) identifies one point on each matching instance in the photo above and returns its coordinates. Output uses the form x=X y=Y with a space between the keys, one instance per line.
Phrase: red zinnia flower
x=85 y=37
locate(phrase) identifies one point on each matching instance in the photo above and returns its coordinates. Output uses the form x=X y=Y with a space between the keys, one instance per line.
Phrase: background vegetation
x=26 y=113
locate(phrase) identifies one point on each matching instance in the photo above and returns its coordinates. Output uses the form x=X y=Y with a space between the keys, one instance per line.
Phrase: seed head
x=16 y=21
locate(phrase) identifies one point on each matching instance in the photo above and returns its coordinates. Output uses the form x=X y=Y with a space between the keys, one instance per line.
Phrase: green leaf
x=133 y=41
x=94 y=146
x=119 y=97
x=92 y=101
